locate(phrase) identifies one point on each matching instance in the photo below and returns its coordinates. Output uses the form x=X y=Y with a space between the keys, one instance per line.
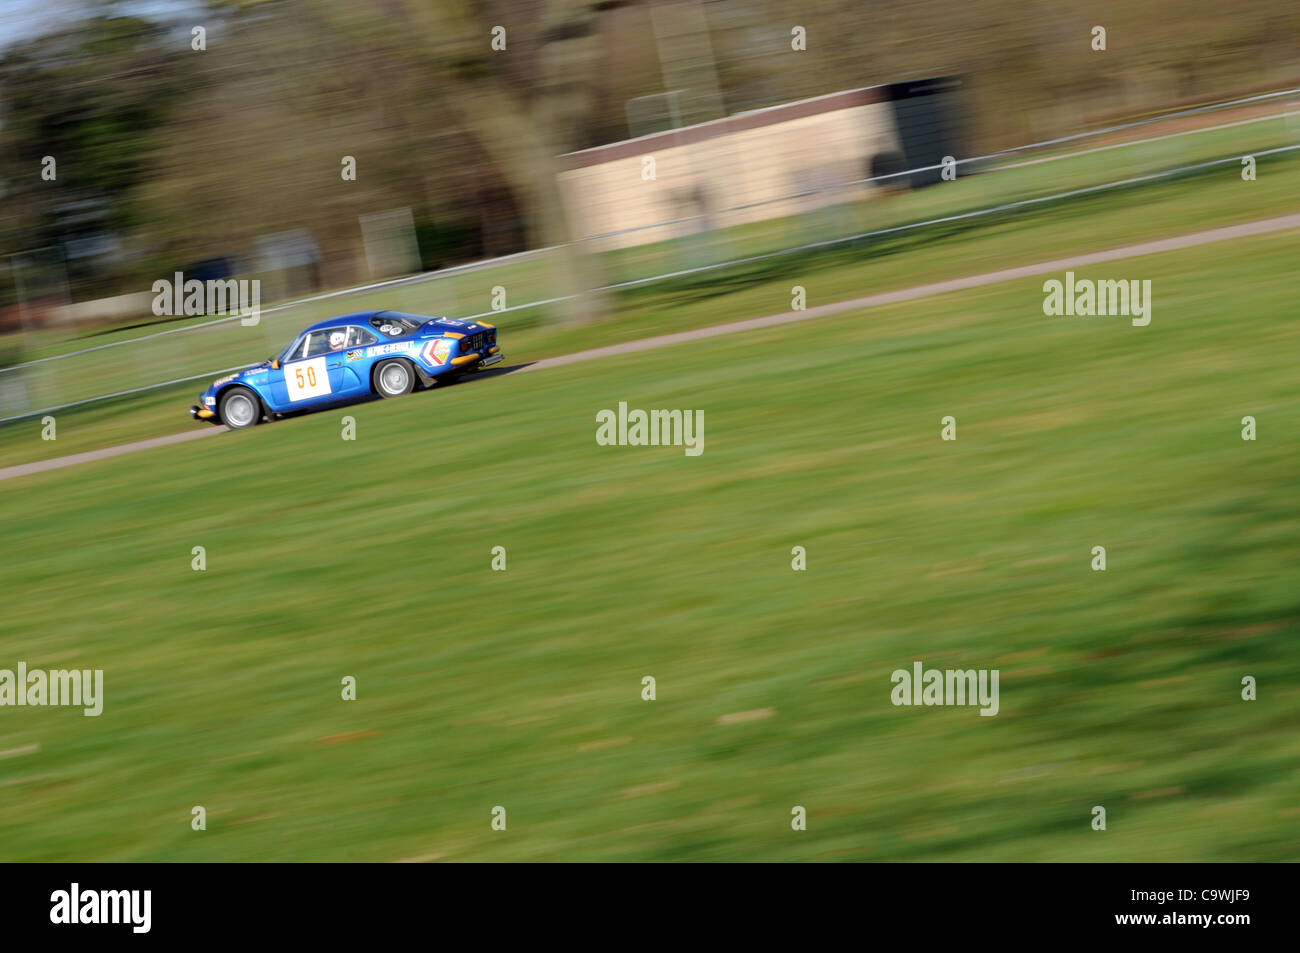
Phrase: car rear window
x=394 y=324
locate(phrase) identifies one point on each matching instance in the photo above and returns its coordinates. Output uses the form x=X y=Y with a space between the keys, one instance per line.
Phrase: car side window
x=360 y=337
x=393 y=326
x=325 y=341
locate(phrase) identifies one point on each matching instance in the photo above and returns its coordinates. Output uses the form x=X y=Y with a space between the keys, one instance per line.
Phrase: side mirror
x=275 y=365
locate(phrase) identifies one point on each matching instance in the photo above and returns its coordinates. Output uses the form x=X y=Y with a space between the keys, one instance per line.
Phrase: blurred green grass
x=371 y=558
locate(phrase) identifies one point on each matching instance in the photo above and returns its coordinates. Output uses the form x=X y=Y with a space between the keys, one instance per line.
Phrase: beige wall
x=730 y=168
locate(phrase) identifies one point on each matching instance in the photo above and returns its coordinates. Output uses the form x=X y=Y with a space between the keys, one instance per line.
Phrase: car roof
x=356 y=317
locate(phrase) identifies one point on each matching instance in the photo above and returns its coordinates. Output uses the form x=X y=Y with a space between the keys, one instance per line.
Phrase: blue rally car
x=349 y=358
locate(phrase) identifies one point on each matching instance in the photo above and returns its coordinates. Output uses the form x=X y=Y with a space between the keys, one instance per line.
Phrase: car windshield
x=289 y=352
x=395 y=324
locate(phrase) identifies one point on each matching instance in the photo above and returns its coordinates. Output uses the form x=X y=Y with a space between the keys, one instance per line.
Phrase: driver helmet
x=337 y=339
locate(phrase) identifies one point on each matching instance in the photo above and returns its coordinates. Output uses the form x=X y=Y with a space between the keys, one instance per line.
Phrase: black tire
x=240 y=408
x=393 y=378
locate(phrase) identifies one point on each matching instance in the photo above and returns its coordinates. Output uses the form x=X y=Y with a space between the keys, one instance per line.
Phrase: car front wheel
x=240 y=408
x=394 y=378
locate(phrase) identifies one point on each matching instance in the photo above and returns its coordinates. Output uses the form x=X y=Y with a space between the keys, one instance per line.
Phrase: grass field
x=371 y=558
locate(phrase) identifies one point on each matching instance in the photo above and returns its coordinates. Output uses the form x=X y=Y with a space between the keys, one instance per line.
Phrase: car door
x=314 y=374
x=277 y=390
x=355 y=367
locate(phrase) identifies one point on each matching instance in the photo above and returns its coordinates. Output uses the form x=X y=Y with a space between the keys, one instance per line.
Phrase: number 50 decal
x=307 y=379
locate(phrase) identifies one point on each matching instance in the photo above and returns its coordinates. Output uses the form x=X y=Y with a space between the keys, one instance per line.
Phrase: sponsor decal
x=356 y=355
x=437 y=353
x=388 y=348
x=224 y=380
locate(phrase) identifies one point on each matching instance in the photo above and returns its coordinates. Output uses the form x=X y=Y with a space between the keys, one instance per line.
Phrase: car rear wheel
x=394 y=378
x=240 y=408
